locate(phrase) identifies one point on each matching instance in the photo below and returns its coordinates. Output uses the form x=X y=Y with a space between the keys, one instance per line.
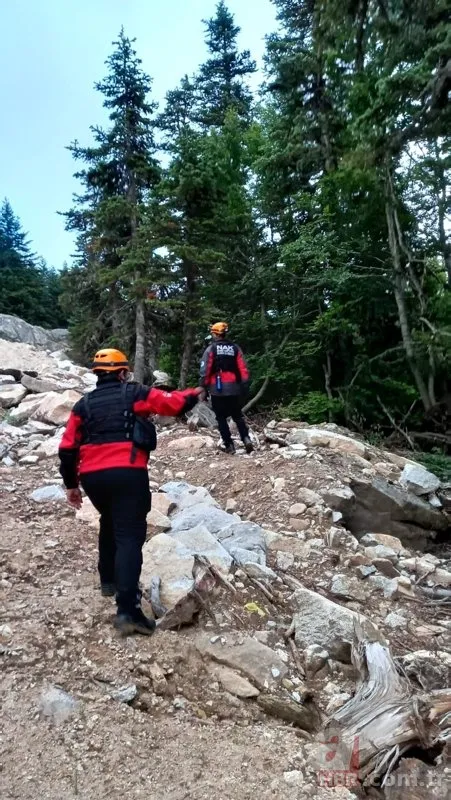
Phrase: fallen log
x=386 y=717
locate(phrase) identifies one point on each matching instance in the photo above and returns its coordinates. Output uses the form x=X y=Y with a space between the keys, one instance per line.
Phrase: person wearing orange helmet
x=225 y=376
x=105 y=448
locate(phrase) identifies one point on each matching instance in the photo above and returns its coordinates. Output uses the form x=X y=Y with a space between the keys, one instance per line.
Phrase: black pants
x=225 y=407
x=122 y=497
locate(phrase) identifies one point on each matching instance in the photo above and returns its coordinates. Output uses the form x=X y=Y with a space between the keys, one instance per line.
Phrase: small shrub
x=313 y=408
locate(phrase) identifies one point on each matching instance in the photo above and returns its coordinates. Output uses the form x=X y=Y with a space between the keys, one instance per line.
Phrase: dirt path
x=195 y=742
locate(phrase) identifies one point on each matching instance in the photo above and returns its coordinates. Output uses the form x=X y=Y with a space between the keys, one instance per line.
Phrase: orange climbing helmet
x=219 y=328
x=109 y=360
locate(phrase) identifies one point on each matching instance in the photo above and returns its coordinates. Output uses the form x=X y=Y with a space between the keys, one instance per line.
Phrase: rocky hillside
x=302 y=597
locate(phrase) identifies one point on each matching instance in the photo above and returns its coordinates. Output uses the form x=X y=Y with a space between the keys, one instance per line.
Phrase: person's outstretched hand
x=201 y=393
x=74 y=498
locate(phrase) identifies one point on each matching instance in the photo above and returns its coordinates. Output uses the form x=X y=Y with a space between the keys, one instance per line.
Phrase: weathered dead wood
x=272 y=438
x=198 y=598
x=386 y=717
x=436 y=592
x=304 y=715
x=158 y=608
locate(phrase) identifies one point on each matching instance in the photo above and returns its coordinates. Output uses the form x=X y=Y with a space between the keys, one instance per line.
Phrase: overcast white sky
x=52 y=53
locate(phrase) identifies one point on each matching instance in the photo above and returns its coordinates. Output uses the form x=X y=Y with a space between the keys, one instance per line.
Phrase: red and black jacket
x=227 y=360
x=100 y=437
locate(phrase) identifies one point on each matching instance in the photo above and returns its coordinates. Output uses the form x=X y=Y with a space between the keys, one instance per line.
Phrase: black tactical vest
x=107 y=413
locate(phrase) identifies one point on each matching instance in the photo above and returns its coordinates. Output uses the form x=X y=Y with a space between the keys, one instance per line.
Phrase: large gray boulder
x=238 y=651
x=320 y=437
x=320 y=621
x=214 y=519
x=202 y=416
x=14 y=329
x=171 y=558
x=11 y=395
x=383 y=508
x=184 y=495
x=245 y=541
x=419 y=480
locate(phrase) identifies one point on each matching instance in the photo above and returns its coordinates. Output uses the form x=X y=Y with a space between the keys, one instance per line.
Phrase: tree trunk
x=140 y=345
x=442 y=201
x=386 y=717
x=327 y=367
x=360 y=35
x=399 y=287
x=321 y=100
x=189 y=326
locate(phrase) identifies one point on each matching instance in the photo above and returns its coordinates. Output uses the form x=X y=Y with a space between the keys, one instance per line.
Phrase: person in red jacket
x=225 y=376
x=101 y=450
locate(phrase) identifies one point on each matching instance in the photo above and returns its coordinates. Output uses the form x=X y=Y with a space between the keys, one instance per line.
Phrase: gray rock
x=380 y=551
x=308 y=497
x=7 y=380
x=29 y=460
x=364 y=570
x=14 y=329
x=244 y=536
x=214 y=519
x=233 y=682
x=284 y=561
x=339 y=538
x=435 y=501
x=392 y=587
x=256 y=570
x=171 y=558
x=199 y=541
x=339 y=499
x=57 y=704
x=8 y=461
x=184 y=495
x=381 y=583
x=48 y=494
x=244 y=653
x=37 y=385
x=374 y=539
x=395 y=621
x=202 y=416
x=322 y=622
x=386 y=566
x=125 y=694
x=347 y=588
x=419 y=480
x=321 y=437
x=381 y=507
x=11 y=395
x=295 y=451
x=315 y=658
x=432 y=670
x=49 y=447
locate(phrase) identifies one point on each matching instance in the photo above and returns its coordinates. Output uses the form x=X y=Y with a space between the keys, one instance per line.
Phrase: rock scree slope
x=277 y=564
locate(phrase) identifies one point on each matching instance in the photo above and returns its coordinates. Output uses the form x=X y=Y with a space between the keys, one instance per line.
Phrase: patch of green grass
x=437 y=463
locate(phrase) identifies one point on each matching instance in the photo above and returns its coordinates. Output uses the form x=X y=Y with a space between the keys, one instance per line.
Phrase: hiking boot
x=107 y=589
x=248 y=446
x=230 y=449
x=137 y=622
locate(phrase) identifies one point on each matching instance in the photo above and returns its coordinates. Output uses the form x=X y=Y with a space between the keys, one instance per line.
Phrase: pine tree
x=222 y=78
x=120 y=173
x=29 y=289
